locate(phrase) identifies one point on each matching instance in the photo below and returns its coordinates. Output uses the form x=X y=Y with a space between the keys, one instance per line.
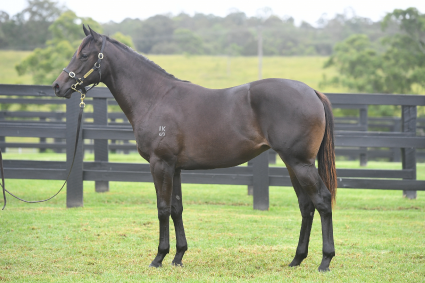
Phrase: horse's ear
x=95 y=35
x=86 y=31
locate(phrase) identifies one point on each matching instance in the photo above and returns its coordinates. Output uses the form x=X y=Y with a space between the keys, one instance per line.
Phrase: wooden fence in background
x=353 y=136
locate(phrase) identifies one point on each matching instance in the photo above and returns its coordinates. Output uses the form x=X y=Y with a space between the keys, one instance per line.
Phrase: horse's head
x=76 y=76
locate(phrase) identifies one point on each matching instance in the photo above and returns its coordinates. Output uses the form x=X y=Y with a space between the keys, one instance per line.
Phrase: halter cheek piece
x=80 y=81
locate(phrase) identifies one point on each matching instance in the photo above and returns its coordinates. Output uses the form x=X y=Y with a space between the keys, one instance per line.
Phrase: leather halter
x=80 y=81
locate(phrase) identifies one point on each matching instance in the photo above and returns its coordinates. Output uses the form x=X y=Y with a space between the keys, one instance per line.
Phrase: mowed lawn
x=207 y=71
x=379 y=235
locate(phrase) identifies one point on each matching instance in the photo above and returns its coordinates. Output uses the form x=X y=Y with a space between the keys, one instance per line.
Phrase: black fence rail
x=257 y=174
x=359 y=123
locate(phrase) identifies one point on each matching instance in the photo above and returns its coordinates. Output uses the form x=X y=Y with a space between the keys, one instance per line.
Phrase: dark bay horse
x=182 y=126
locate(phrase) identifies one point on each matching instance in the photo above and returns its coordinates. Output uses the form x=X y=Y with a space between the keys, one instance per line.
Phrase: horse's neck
x=134 y=85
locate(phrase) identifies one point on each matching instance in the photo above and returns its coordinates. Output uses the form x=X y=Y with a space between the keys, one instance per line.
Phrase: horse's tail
x=326 y=154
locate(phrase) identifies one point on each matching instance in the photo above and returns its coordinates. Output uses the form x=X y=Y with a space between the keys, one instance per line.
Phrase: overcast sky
x=301 y=10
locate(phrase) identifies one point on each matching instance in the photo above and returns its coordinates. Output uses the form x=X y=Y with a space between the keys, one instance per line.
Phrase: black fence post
x=260 y=172
x=408 y=155
x=396 y=151
x=100 y=117
x=2 y=139
x=74 y=186
x=58 y=140
x=42 y=140
x=125 y=142
x=272 y=156
x=363 y=122
x=250 y=187
x=113 y=141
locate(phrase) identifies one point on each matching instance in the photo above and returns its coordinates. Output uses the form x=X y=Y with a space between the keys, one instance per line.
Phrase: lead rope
x=3 y=185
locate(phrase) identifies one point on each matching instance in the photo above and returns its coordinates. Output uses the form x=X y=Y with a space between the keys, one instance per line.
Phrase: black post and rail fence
x=350 y=138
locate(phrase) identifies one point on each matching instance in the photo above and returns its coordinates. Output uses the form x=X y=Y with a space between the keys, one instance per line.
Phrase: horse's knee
x=164 y=213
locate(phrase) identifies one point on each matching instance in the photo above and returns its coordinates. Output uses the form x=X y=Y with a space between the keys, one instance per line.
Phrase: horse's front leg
x=162 y=174
x=176 y=215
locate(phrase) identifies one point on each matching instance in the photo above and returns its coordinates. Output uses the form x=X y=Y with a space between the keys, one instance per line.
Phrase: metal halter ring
x=72 y=74
x=97 y=66
x=100 y=56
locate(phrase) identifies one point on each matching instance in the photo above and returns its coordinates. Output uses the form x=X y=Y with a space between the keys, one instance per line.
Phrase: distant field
x=208 y=71
x=8 y=74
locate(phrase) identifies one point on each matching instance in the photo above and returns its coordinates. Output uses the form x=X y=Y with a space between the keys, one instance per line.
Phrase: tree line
x=234 y=34
x=375 y=57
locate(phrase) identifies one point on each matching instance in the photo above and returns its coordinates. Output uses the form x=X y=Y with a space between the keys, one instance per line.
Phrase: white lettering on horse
x=161 y=131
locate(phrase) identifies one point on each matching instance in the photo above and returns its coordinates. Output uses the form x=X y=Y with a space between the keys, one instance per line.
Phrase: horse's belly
x=210 y=155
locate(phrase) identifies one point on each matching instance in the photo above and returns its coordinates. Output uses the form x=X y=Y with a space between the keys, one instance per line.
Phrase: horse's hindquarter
x=290 y=115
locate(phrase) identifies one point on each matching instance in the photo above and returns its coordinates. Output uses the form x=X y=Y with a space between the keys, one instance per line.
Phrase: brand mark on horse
x=161 y=131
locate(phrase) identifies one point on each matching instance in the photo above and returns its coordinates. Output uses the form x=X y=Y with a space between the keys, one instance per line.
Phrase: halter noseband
x=79 y=81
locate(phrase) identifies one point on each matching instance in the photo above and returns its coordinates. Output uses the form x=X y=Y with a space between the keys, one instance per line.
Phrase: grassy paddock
x=379 y=236
x=208 y=71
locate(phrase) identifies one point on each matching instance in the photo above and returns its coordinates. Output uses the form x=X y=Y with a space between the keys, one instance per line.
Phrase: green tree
x=188 y=42
x=44 y=64
x=28 y=28
x=125 y=39
x=396 y=65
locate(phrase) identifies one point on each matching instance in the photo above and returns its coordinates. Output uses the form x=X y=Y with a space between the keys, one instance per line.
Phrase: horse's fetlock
x=301 y=255
x=329 y=254
x=181 y=248
x=163 y=250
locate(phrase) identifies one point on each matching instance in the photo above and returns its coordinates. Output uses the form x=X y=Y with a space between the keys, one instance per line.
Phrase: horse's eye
x=84 y=56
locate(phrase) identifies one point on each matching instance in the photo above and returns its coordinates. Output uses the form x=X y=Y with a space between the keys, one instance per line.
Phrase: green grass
x=207 y=71
x=8 y=74
x=219 y=72
x=379 y=235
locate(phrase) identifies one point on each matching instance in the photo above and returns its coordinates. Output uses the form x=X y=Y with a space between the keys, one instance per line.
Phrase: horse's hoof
x=156 y=265
x=297 y=261
x=324 y=269
x=177 y=264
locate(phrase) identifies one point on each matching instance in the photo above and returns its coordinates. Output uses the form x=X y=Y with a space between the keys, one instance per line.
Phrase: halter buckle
x=72 y=74
x=100 y=56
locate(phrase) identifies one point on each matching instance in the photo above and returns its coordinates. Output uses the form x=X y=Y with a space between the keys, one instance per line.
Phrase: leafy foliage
x=209 y=34
x=43 y=64
x=396 y=65
x=125 y=39
x=29 y=28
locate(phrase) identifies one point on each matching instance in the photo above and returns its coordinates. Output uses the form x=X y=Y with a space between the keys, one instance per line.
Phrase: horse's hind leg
x=310 y=181
x=176 y=215
x=307 y=213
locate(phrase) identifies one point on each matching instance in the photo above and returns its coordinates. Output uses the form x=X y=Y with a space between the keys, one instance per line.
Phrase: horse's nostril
x=56 y=88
